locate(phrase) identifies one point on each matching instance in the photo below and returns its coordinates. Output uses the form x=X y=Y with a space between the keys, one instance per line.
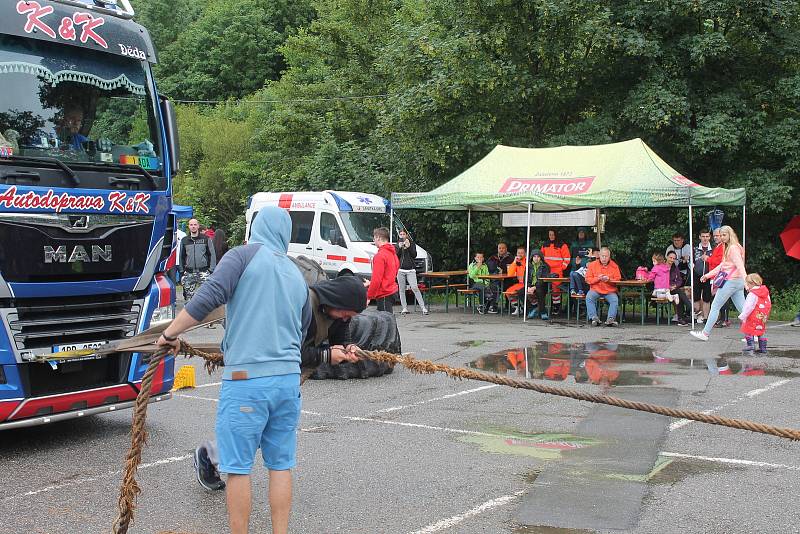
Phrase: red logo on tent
x=550 y=186
x=682 y=180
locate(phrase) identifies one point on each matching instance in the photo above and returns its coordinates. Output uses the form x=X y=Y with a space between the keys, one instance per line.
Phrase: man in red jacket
x=385 y=264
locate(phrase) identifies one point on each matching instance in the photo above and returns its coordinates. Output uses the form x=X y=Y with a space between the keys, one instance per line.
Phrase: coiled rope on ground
x=129 y=490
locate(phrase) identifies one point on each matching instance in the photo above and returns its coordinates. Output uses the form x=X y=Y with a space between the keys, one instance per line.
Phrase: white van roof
x=339 y=200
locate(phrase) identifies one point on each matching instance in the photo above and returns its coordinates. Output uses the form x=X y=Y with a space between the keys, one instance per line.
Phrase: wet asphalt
x=422 y=454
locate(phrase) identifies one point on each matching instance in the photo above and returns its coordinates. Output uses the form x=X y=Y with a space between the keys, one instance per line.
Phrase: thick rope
x=130 y=489
x=428 y=367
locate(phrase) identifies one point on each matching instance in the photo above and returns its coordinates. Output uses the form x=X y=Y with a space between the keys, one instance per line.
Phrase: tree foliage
x=402 y=95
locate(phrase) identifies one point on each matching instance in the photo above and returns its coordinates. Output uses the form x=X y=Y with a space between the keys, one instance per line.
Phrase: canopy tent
x=182 y=212
x=616 y=175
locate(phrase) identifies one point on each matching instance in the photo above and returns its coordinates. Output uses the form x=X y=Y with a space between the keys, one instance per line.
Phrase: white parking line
x=208 y=385
x=450 y=522
x=749 y=395
x=425 y=427
x=450 y=396
x=84 y=480
x=735 y=461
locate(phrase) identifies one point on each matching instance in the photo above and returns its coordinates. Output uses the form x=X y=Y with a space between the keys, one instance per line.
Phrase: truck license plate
x=79 y=346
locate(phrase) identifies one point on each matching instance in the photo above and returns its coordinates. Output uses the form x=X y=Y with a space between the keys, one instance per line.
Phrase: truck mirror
x=171 y=130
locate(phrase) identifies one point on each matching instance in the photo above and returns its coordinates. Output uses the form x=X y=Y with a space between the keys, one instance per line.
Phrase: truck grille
x=37 y=323
x=40 y=379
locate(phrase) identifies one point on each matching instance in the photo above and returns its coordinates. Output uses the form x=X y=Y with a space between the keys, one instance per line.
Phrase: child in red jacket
x=755 y=314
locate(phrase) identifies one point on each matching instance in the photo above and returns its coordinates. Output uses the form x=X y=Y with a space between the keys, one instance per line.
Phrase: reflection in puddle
x=608 y=364
x=544 y=446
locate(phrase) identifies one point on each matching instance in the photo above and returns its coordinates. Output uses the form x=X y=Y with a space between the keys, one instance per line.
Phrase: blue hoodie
x=267 y=301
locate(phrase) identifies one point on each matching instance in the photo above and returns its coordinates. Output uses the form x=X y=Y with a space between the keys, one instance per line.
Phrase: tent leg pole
x=469 y=237
x=597 y=215
x=744 y=227
x=691 y=262
x=527 y=265
x=391 y=224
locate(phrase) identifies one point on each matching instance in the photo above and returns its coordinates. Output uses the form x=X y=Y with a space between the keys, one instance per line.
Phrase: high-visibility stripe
x=285 y=201
x=361 y=260
x=337 y=258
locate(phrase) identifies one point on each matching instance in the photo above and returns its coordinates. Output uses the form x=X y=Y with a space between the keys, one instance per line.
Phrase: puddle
x=544 y=446
x=471 y=343
x=612 y=364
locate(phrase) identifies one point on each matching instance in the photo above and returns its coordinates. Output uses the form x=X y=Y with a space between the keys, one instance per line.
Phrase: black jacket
x=407 y=255
x=197 y=254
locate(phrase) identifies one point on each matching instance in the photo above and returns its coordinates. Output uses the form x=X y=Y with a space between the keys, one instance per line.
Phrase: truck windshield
x=359 y=225
x=77 y=105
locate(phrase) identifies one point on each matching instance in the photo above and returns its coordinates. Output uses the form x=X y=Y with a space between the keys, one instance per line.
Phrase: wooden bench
x=469 y=297
x=662 y=305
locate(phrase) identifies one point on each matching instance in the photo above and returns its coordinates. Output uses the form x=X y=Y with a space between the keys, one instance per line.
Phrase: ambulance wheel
x=345 y=273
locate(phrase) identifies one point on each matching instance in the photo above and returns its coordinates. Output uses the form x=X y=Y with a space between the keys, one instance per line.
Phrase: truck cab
x=334 y=228
x=88 y=149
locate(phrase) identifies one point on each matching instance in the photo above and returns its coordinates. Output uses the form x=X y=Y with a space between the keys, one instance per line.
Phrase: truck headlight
x=162 y=315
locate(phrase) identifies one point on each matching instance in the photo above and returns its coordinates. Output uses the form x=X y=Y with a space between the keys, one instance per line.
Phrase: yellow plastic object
x=184 y=378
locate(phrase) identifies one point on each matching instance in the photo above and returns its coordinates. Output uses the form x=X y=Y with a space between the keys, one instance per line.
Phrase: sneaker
x=595 y=321
x=682 y=322
x=493 y=310
x=675 y=317
x=581 y=294
x=425 y=312
x=699 y=334
x=514 y=310
x=796 y=322
x=207 y=474
x=545 y=317
x=699 y=320
x=611 y=322
x=725 y=324
x=404 y=312
x=481 y=310
x=533 y=314
x=572 y=292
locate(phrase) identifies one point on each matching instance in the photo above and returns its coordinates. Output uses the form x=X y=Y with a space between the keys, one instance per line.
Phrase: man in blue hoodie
x=267 y=314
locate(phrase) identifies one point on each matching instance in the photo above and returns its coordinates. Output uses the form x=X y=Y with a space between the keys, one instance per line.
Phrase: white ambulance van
x=334 y=228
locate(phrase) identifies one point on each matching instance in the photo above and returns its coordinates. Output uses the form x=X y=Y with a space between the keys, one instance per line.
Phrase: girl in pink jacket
x=659 y=274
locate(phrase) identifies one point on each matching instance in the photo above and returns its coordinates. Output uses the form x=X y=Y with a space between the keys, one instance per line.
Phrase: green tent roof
x=618 y=175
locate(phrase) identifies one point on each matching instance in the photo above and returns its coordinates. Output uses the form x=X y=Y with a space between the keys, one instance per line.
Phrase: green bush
x=785 y=303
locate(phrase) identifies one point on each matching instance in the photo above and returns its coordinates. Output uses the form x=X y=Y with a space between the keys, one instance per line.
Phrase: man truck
x=88 y=150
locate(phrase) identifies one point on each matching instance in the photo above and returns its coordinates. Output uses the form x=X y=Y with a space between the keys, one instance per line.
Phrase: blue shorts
x=258 y=412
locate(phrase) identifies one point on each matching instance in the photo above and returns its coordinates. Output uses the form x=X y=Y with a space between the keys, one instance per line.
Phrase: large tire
x=370 y=330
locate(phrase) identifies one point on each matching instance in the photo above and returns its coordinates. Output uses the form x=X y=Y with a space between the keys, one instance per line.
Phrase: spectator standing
x=755 y=314
x=385 y=265
x=220 y=241
x=267 y=313
x=702 y=290
x=601 y=276
x=730 y=282
x=556 y=256
x=683 y=251
x=713 y=263
x=197 y=259
x=407 y=273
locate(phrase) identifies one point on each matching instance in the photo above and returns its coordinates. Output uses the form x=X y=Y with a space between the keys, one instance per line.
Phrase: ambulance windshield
x=359 y=224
